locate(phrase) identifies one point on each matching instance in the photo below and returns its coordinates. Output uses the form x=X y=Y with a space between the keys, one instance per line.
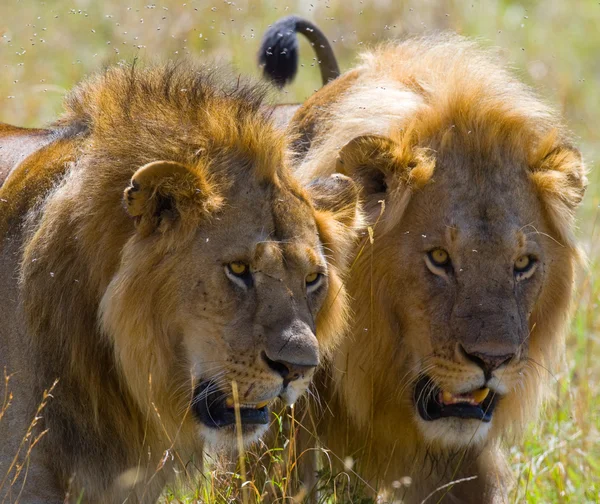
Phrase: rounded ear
x=338 y=195
x=562 y=171
x=559 y=175
x=161 y=191
x=387 y=171
x=146 y=180
x=371 y=161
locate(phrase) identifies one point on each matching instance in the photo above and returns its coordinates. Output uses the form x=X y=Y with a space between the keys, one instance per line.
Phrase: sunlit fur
x=450 y=120
x=112 y=304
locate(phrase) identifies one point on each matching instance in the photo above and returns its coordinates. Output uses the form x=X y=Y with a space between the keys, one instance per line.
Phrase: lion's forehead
x=290 y=255
x=481 y=215
x=470 y=178
x=274 y=228
x=485 y=232
x=292 y=214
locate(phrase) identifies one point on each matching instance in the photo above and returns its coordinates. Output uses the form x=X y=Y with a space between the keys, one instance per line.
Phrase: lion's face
x=252 y=285
x=471 y=268
x=240 y=291
x=474 y=263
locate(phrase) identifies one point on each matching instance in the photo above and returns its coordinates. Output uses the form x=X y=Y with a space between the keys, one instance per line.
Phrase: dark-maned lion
x=462 y=300
x=154 y=250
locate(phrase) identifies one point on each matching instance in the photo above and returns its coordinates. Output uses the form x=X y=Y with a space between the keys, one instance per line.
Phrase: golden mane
x=206 y=108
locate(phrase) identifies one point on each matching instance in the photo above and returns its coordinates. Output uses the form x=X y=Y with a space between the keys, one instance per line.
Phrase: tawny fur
x=459 y=145
x=120 y=308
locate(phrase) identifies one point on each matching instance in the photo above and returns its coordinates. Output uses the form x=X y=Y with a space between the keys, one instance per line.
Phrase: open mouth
x=434 y=403
x=216 y=410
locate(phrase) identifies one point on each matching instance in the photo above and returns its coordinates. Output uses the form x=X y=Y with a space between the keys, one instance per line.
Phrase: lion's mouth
x=434 y=403
x=216 y=410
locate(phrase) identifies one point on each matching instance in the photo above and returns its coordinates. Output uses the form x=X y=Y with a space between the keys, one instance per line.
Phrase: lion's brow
x=303 y=254
x=267 y=251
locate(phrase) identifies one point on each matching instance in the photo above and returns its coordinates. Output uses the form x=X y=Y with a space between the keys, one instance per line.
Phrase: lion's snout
x=287 y=370
x=488 y=360
x=490 y=334
x=292 y=350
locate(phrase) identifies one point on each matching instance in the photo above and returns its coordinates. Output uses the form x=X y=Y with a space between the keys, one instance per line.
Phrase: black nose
x=287 y=370
x=487 y=362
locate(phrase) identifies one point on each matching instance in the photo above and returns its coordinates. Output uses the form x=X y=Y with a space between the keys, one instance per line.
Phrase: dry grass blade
x=27 y=444
x=240 y=440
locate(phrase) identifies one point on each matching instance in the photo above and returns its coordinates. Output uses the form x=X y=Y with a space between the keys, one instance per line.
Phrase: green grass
x=46 y=47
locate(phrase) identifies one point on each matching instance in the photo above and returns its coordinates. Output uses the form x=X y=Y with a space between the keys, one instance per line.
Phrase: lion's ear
x=558 y=173
x=339 y=196
x=370 y=160
x=163 y=192
x=382 y=166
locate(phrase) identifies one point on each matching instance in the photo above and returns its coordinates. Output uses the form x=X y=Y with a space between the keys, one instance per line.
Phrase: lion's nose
x=486 y=361
x=287 y=370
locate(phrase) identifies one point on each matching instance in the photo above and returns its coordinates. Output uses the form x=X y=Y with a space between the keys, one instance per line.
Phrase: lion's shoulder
x=16 y=144
x=43 y=160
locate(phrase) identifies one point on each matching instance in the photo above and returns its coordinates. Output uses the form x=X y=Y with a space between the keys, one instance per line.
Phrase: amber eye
x=525 y=267
x=439 y=257
x=313 y=281
x=239 y=273
x=522 y=263
x=312 y=278
x=238 y=268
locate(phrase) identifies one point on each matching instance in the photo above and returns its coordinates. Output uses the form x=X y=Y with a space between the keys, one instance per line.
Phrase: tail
x=278 y=54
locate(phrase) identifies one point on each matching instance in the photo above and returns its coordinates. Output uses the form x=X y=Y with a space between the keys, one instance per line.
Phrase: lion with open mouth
x=154 y=251
x=461 y=301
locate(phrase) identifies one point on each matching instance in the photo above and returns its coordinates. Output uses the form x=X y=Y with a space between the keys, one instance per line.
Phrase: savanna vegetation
x=47 y=46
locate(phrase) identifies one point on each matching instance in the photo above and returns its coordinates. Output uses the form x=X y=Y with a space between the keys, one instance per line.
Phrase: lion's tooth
x=229 y=402
x=261 y=405
x=480 y=395
x=447 y=397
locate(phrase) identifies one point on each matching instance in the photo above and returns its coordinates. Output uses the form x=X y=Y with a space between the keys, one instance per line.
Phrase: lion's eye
x=313 y=281
x=522 y=263
x=238 y=268
x=524 y=267
x=312 y=278
x=438 y=262
x=439 y=257
x=239 y=273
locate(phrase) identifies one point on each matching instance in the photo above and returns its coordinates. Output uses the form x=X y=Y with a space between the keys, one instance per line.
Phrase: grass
x=45 y=47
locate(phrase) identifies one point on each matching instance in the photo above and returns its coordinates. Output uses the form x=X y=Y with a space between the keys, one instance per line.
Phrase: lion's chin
x=453 y=433
x=225 y=439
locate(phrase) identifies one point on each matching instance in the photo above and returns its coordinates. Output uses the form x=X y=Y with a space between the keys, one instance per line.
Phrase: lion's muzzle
x=216 y=409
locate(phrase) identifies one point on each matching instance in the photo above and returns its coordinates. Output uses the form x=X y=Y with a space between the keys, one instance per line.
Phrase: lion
x=164 y=270
x=462 y=297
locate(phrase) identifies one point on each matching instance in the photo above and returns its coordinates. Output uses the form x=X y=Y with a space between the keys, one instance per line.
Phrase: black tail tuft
x=278 y=54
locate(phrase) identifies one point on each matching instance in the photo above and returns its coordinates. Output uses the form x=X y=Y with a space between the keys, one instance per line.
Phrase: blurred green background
x=47 y=46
